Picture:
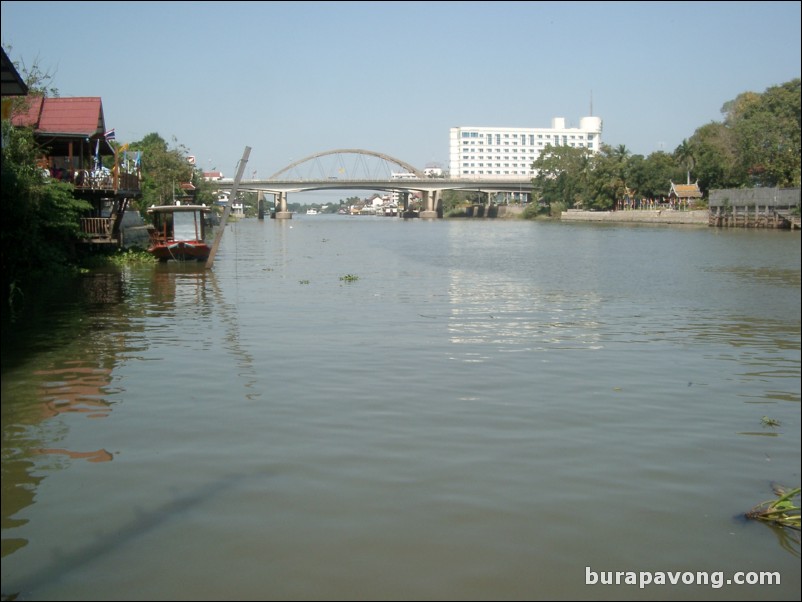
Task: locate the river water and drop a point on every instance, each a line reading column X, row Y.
column 374, row 408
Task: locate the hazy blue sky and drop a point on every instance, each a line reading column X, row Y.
column 290, row 79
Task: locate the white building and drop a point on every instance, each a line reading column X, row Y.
column 476, row 152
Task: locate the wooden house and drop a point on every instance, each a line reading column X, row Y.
column 76, row 147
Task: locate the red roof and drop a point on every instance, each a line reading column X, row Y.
column 77, row 116
column 30, row 117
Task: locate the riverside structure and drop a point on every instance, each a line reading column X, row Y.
column 493, row 152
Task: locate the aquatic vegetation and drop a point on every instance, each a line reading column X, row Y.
column 782, row 511
column 119, row 258
column 766, row 421
column 349, row 278
column 132, row 257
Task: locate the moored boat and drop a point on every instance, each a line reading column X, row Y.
column 179, row 232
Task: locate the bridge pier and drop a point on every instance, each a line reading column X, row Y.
column 281, row 206
column 260, row 204
column 429, row 209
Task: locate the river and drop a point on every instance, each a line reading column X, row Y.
column 375, row 408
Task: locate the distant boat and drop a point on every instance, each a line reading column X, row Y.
column 311, row 211
column 179, row 232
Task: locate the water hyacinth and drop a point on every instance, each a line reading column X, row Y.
column 783, row 511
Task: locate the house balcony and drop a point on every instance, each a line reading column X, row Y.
column 107, row 182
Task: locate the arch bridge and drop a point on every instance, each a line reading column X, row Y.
column 360, row 169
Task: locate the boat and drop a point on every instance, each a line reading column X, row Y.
column 311, row 212
column 179, row 232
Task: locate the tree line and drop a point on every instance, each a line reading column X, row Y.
column 757, row 144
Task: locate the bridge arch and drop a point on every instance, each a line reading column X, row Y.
column 353, row 151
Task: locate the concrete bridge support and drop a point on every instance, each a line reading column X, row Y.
column 260, row 204
column 430, row 200
column 281, row 206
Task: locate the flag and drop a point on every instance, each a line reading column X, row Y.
column 110, row 134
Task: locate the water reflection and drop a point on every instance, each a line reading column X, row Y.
column 51, row 376
column 75, row 387
column 788, row 538
column 273, row 435
column 63, row 369
column 514, row 317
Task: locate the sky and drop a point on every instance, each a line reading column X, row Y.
column 291, row 79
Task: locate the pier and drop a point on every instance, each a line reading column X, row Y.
column 755, row 208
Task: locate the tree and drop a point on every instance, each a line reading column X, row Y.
column 651, row 177
column 43, row 214
column 164, row 169
column 765, row 135
column 716, row 157
column 562, row 176
column 767, row 131
column 685, row 155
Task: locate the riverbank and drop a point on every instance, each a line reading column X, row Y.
column 657, row 216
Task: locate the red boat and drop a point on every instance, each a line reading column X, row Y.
column 179, row 232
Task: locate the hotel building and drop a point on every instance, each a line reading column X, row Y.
column 493, row 152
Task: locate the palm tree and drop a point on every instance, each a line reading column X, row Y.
column 621, row 152
column 684, row 155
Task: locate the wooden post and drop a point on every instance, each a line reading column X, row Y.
column 231, row 198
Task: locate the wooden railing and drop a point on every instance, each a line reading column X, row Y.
column 105, row 180
column 96, row 227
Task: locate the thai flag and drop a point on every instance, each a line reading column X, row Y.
column 110, row 134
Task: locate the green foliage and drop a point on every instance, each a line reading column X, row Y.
column 454, row 202
column 349, row 278
column 131, row 257
column 563, row 174
column 716, row 158
column 685, row 155
column 651, row 177
column 758, row 144
column 782, row 511
column 576, row 178
column 608, row 179
column 164, row 169
column 767, row 134
column 41, row 217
